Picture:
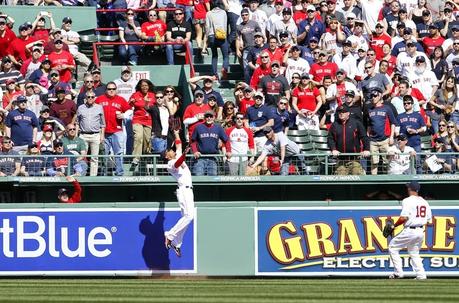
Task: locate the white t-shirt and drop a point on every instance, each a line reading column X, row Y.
column 417, row 210
column 73, row 48
column 399, row 163
column 125, row 88
column 181, row 174
column 273, row 147
column 424, row 82
column 239, row 141
column 299, row 66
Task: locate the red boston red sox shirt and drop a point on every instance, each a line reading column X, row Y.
column 111, row 106
column 58, row 59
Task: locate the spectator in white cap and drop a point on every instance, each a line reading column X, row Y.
column 285, row 24
column 259, row 116
column 72, row 39
column 126, row 83
column 423, row 79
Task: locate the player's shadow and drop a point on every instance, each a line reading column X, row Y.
column 154, row 252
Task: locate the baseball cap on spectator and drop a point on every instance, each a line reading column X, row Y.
column 402, row 137
column 258, row 95
column 244, row 11
column 305, row 76
column 379, row 23
column 287, row 10
column 59, row 89
column 341, row 71
column 47, row 128
column 447, row 9
column 284, row 34
column 295, row 48
column 9, row 81
column 209, row 113
column 62, row 191
column 279, row 2
column 44, row 108
column 456, row 61
column 67, row 20
column 376, row 90
column 455, row 27
column 58, row 142
column 32, row 145
column 58, row 40
column 408, row 30
column 56, row 30
column 331, row 1
column 248, row 89
column 197, row 92
column 402, row 10
column 96, row 70
column 314, row 38
column 363, row 47
column 351, row 15
column 414, row 186
column 21, row 99
column 2, row 19
column 342, row 109
column 6, row 59
column 310, row 8
column 23, row 27
column 125, row 69
column 267, row 129
column 420, row 59
column 350, row 92
column 347, row 42
column 36, row 48
column 53, row 72
column 434, row 26
column 257, row 34
column 211, row 96
column 426, row 13
column 323, row 52
column 275, row 62
column 401, row 25
column 358, row 21
column 440, row 140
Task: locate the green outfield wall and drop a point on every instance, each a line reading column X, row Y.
column 228, row 239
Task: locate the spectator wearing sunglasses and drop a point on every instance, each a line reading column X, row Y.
column 77, row 147
column 10, row 162
column 179, row 31
column 62, row 61
column 63, row 108
column 72, row 38
column 18, row 48
column 194, row 113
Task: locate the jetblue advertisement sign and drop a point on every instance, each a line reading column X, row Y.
column 92, row 241
column 347, row 241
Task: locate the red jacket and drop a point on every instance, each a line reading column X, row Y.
column 76, row 197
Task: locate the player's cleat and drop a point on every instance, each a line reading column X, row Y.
column 168, row 243
column 394, row 276
column 421, row 278
column 177, row 251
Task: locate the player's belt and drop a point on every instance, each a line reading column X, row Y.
column 190, row 187
column 414, row 227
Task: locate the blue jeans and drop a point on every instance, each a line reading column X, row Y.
column 455, row 117
column 232, row 20
column 224, row 46
column 81, row 167
column 115, row 142
column 205, row 167
column 188, row 11
column 129, row 55
column 158, row 145
column 170, row 51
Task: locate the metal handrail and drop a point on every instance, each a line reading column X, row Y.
column 188, row 57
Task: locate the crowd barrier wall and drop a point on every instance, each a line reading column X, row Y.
column 237, row 238
column 84, row 18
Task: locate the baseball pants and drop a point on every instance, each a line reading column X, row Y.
column 185, row 198
column 411, row 239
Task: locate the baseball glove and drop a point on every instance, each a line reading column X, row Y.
column 388, row 229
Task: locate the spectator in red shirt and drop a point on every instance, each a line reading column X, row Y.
column 19, row 48
column 63, row 108
column 194, row 113
column 323, row 68
column 63, row 194
column 62, row 61
column 378, row 39
column 306, row 100
column 262, row 70
column 6, row 37
column 55, row 34
column 33, row 63
column 153, row 30
column 141, row 100
column 247, row 100
column 39, row 31
column 433, row 40
column 273, row 51
column 116, row 108
column 201, row 7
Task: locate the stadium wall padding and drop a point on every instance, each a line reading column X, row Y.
column 225, row 237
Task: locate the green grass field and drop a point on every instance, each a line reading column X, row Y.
column 227, row 290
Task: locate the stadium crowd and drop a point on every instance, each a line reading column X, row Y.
column 375, row 75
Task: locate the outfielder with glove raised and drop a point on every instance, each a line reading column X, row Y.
column 415, row 214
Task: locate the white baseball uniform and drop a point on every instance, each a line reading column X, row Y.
column 418, row 212
column 185, row 198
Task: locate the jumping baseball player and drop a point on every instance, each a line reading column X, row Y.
column 415, row 214
column 177, row 167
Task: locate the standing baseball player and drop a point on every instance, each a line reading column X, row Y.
column 177, row 167
column 415, row 214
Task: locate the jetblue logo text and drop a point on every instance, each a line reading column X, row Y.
column 34, row 236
